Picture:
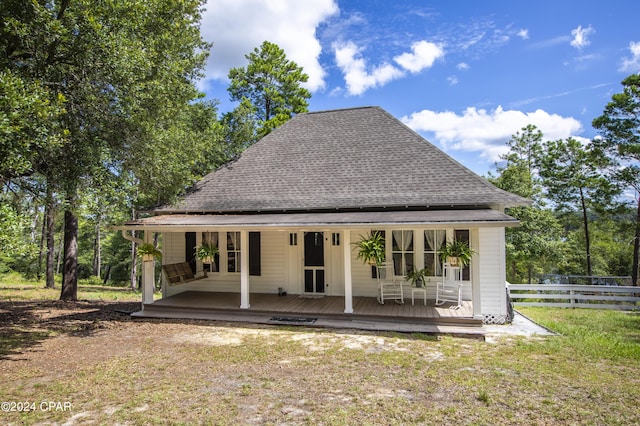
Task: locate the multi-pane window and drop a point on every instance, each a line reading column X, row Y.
column 335, row 239
column 233, row 251
column 434, row 239
column 293, row 239
column 402, row 252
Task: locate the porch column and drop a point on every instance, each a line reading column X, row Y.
column 348, row 291
column 148, row 274
column 244, row 270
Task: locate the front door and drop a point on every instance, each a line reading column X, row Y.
column 314, row 262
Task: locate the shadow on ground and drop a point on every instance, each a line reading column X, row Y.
column 27, row 324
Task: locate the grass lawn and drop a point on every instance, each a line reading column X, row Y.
column 112, row 369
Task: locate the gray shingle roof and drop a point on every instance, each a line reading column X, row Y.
column 360, row 158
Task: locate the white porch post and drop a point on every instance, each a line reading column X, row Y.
column 244, row 270
column 148, row 275
column 348, row 291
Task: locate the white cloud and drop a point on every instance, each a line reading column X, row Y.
column 453, row 80
column 354, row 68
column 423, row 55
column 463, row 66
column 523, row 34
column 581, row 36
column 359, row 77
column 236, row 27
column 631, row 64
column 479, row 130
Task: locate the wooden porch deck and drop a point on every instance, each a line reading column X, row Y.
column 327, row 311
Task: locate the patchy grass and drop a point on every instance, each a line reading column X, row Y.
column 14, row 287
column 115, row 370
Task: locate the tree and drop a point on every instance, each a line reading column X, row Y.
column 240, row 128
column 120, row 68
column 531, row 246
column 571, row 174
column 29, row 125
column 619, row 126
column 272, row 84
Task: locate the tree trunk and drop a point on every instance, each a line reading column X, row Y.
column 60, row 253
column 43, row 237
column 586, row 232
column 70, row 267
column 51, row 248
column 97, row 251
column 106, row 275
column 636, row 249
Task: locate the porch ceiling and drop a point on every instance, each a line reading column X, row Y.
column 341, row 220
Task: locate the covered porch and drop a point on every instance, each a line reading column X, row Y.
column 316, row 311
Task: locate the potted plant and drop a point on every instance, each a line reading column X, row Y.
column 148, row 252
column 371, row 248
column 206, row 252
column 416, row 277
column 456, row 253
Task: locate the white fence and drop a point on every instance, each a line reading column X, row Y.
column 575, row 296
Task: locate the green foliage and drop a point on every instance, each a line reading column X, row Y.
column 536, row 246
column 206, row 251
column 517, row 172
column 102, row 95
column 619, row 126
column 458, row 249
column 416, row 277
column 148, row 249
column 371, row 248
column 29, row 125
column 12, row 229
column 240, row 128
column 573, row 179
column 272, row 85
column 551, row 240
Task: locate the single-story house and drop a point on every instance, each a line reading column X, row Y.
column 286, row 213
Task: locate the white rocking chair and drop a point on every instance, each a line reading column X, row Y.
column 388, row 287
column 450, row 288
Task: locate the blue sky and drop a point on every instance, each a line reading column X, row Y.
column 464, row 74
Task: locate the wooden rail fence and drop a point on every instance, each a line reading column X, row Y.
column 576, row 296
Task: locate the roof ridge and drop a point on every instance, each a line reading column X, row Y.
column 323, row 111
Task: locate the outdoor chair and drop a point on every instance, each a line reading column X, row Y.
column 449, row 289
column 388, row 287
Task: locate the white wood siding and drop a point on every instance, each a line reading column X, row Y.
column 491, row 269
column 272, row 266
column 281, row 266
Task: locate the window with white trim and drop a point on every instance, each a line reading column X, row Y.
column 402, row 251
column 233, row 251
column 434, row 239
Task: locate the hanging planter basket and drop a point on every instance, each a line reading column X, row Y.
column 148, row 252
